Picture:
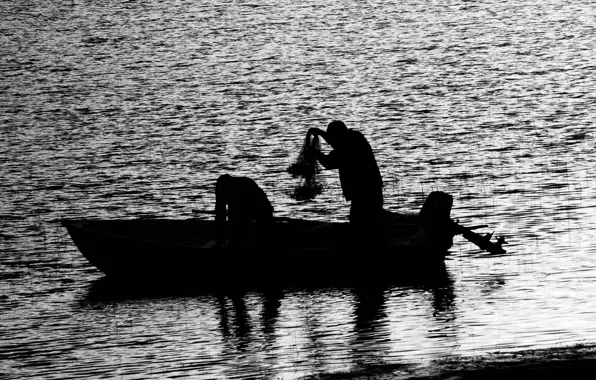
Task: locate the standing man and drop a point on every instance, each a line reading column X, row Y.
column 359, row 174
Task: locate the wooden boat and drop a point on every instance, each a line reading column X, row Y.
column 291, row 251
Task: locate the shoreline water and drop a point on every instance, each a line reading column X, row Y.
column 569, row 361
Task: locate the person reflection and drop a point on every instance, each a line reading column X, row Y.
column 369, row 308
column 370, row 325
column 234, row 324
column 271, row 303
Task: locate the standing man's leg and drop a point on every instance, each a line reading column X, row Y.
column 365, row 222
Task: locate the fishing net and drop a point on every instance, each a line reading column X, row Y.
column 307, row 168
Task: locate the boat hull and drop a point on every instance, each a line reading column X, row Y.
column 293, row 252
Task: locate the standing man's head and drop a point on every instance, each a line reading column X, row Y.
column 337, row 133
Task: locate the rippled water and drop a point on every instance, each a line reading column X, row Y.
column 126, row 109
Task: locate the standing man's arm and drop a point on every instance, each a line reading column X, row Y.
column 329, row 161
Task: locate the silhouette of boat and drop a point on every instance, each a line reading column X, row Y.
column 293, row 251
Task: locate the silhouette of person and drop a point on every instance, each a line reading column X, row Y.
column 245, row 201
column 359, row 174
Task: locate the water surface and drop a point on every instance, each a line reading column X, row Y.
column 133, row 109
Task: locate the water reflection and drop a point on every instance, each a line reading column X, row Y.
column 443, row 297
column 371, row 327
column 444, row 311
column 234, row 321
column 271, row 304
column 236, row 325
column 109, row 113
column 310, row 330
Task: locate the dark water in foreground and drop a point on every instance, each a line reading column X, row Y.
column 132, row 109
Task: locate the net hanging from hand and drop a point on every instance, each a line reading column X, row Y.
column 307, row 168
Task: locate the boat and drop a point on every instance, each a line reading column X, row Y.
column 291, row 251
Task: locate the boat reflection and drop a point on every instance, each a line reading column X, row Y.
column 309, row 329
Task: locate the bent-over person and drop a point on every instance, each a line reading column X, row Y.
column 240, row 201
